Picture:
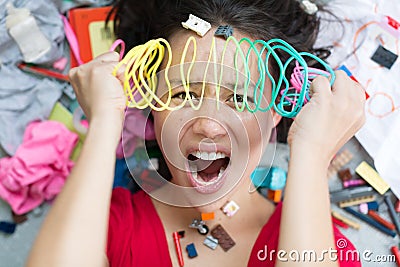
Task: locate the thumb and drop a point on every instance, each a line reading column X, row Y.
column 320, row 87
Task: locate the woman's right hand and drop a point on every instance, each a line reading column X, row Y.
column 331, row 117
column 99, row 93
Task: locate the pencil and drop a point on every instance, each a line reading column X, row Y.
column 370, row 221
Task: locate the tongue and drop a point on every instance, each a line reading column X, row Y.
column 207, row 177
column 212, row 166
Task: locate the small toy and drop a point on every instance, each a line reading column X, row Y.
column 373, row 205
column 339, row 161
column 7, row 227
column 200, row 225
column 309, row 7
column 224, row 239
column 230, row 208
column 196, row 24
column 191, row 250
column 363, row 208
column 347, row 221
column 224, row 31
column 211, row 242
column 372, row 177
column 356, row 201
column 273, row 178
column 345, row 174
column 352, row 183
column 349, row 193
column 384, row 57
column 177, row 236
column 207, row 216
column 274, row 195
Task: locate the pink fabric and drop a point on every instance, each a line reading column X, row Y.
column 136, row 126
column 39, row 167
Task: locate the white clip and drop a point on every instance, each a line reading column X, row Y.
column 309, row 7
column 201, row 27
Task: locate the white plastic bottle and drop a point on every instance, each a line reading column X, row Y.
column 24, row 30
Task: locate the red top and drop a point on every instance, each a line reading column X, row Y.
column 136, row 235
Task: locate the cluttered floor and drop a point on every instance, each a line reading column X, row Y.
column 367, row 48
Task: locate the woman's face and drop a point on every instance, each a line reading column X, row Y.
column 211, row 151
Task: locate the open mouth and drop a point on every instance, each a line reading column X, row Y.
column 207, row 170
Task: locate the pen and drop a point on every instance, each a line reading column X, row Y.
column 178, row 248
column 392, row 213
column 370, row 221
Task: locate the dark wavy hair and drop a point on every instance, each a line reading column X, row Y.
column 140, row 21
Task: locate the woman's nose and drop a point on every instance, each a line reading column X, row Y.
column 209, row 128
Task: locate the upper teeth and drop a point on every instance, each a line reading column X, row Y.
column 208, row 156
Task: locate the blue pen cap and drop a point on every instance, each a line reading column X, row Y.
column 273, row 178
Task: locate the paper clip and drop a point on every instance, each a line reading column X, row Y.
column 201, row 27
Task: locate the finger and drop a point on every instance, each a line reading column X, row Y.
column 72, row 72
column 121, row 73
column 111, row 56
column 320, row 87
column 347, row 90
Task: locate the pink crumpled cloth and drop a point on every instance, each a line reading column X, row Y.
column 136, row 125
column 38, row 169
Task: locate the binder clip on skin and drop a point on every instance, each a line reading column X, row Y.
column 196, row 24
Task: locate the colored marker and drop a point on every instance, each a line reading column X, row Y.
column 178, row 248
column 392, row 213
column 370, row 221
